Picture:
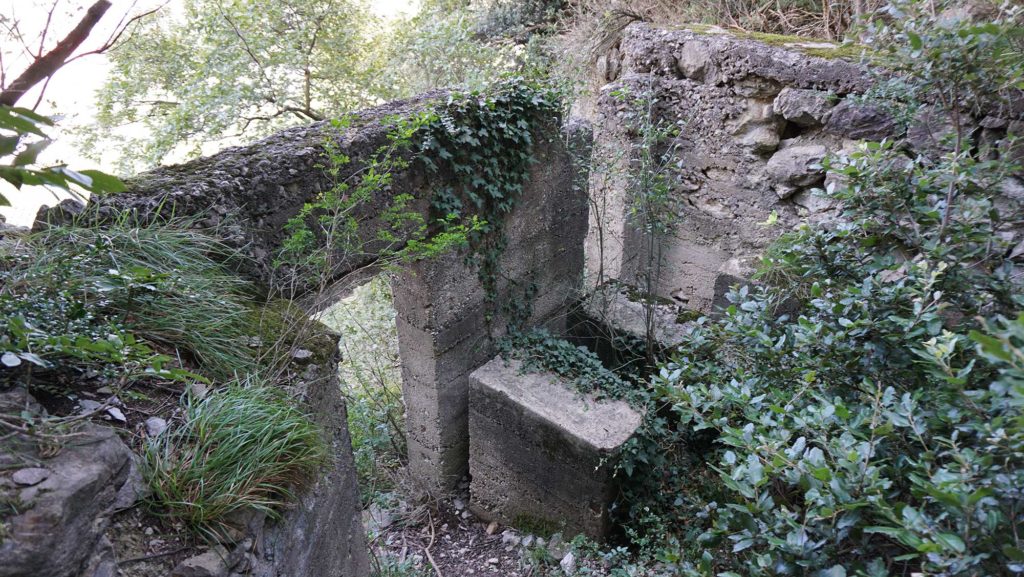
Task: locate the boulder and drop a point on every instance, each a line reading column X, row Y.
column 694, row 61
column 65, row 503
column 796, row 166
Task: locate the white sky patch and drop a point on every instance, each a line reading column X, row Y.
column 72, row 90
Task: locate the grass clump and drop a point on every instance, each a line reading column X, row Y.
column 246, row 446
column 164, row 282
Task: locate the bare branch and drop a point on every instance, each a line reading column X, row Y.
column 46, row 29
column 120, row 29
column 45, row 66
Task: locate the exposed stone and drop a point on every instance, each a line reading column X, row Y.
column 213, row 563
column 155, row 426
column 804, row 107
column 694, row 60
column 539, row 450
column 30, row 476
column 64, row 515
column 321, row 532
column 64, row 213
column 568, row 563
column 796, row 166
column 859, row 121
column 757, row 87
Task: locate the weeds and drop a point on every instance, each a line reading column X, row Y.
column 245, row 446
column 164, row 282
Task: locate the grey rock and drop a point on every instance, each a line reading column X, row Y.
column 133, row 489
column 568, row 563
column 694, row 60
column 59, row 529
column 213, row 563
column 88, row 405
column 30, row 476
column 757, row 87
column 64, row 213
column 860, row 121
column 155, row 426
column 797, row 166
column 803, row 107
column 321, row 533
column 116, row 414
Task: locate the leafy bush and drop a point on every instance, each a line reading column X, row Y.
column 856, row 414
column 245, row 446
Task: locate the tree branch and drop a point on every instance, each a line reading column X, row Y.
column 120, row 29
column 45, row 66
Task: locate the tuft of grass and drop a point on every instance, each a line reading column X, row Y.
column 246, row 446
column 165, row 282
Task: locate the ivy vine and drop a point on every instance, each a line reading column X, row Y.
column 481, row 144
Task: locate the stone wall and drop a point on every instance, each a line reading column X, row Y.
column 755, row 119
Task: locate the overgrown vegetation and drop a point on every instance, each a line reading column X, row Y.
column 128, row 307
column 872, row 425
column 244, row 447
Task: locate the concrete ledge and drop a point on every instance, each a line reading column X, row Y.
column 539, row 450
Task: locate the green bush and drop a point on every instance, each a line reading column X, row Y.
column 857, row 414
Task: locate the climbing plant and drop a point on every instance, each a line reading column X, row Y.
column 481, row 142
column 479, row 145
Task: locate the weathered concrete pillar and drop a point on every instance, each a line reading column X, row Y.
column 443, row 328
column 538, row 449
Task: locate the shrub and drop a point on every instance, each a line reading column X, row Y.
column 246, row 446
column 860, row 414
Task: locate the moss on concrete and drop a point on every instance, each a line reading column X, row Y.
column 806, row 45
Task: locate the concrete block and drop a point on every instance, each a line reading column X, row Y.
column 538, row 449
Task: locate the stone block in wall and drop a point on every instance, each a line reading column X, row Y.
column 860, row 121
column 795, row 167
column 538, row 449
column 803, row 107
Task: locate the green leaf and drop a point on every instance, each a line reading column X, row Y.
column 951, row 541
column 991, row 346
column 915, row 40
column 103, row 182
column 31, row 152
column 8, row 144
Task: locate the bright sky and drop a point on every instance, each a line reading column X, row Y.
column 72, row 89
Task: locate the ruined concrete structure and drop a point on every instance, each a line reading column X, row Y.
column 540, row 450
column 756, row 121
